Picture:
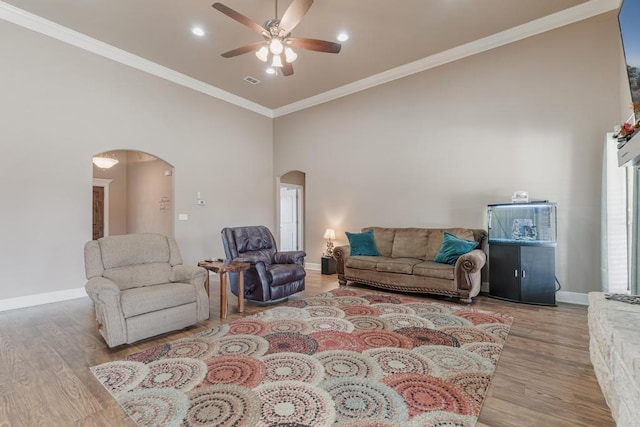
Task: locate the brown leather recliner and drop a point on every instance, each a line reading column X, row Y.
column 273, row 275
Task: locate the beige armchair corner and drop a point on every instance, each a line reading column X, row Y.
column 140, row 288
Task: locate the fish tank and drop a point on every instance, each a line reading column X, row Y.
column 532, row 223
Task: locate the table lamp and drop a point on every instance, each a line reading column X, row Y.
column 329, row 235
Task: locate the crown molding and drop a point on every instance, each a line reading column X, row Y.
column 568, row 16
column 36, row 23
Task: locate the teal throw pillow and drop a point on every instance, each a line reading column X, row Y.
column 452, row 247
column 362, row 243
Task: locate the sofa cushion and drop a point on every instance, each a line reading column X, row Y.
column 433, row 269
column 397, row 265
column 135, row 276
column 410, row 243
column 362, row 243
column 436, row 235
column 158, row 297
column 383, row 238
column 363, row 262
column 452, row 247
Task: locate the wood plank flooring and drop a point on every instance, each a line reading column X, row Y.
column 544, row 376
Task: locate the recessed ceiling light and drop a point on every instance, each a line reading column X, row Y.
column 343, row 37
column 270, row 70
column 198, row 31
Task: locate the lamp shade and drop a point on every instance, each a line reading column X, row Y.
column 329, row 234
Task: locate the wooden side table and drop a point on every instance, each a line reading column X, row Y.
column 222, row 269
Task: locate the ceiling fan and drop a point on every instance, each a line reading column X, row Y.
column 276, row 32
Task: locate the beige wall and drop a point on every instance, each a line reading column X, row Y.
column 435, row 148
column 431, row 149
column 149, row 197
column 60, row 105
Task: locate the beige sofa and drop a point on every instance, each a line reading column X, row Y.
column 406, row 263
column 140, row 288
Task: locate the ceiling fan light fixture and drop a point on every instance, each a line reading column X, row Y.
column 263, row 54
column 290, row 55
column 276, row 62
column 275, row 46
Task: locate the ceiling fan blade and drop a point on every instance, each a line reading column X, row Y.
column 314, row 44
column 293, row 15
column 244, row 49
column 239, row 17
column 287, row 68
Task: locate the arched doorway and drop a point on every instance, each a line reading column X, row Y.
column 291, row 217
column 132, row 193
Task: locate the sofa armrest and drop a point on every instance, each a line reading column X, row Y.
column 473, row 261
column 340, row 253
column 290, row 257
column 467, row 270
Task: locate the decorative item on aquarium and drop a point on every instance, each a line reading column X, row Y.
column 520, row 197
column 523, row 229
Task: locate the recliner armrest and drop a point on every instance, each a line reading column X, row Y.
column 251, row 259
column 188, row 274
column 290, row 257
column 101, row 286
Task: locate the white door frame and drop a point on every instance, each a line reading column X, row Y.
column 104, row 183
column 300, row 190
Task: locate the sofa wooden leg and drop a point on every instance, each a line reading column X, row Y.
column 467, row 300
column 342, row 282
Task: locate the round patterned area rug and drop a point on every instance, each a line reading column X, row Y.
column 350, row 357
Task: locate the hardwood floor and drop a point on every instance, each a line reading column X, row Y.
column 543, row 378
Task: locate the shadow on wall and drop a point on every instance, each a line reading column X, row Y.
column 132, row 195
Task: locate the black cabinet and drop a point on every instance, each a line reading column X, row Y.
column 328, row 265
column 522, row 273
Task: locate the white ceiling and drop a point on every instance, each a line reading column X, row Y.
column 394, row 38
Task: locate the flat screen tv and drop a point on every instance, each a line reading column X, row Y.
column 629, row 21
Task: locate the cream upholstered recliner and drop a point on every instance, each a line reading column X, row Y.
column 140, row 288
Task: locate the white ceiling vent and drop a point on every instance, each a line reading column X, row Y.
column 251, row 80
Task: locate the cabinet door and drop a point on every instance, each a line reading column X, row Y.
column 537, row 278
column 504, row 271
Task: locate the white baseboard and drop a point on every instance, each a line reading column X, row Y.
column 49, row 297
column 572, row 297
column 39, row 299
column 312, row 266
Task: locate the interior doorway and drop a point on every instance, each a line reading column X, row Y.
column 100, row 206
column 137, row 194
column 291, row 217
